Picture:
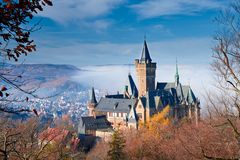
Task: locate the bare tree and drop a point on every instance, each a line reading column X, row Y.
column 218, row 135
column 28, row 140
column 15, row 40
column 227, row 54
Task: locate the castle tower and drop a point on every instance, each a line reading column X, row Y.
column 146, row 72
column 92, row 104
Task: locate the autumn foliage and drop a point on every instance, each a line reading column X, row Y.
column 160, row 119
column 14, row 32
column 213, row 137
column 16, row 28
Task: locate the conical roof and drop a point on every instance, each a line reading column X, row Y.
column 145, row 57
column 93, row 97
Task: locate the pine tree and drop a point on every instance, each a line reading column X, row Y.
column 116, row 146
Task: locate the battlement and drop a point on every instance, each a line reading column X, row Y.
column 138, row 63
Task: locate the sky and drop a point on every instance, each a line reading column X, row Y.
column 89, row 33
column 99, row 32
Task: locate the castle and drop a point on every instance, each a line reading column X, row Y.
column 139, row 102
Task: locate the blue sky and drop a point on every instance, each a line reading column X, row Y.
column 98, row 32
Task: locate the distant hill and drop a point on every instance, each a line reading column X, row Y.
column 45, row 71
column 55, row 81
column 53, row 77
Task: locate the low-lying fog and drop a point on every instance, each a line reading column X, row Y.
column 112, row 78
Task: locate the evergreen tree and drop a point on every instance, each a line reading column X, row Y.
column 116, row 146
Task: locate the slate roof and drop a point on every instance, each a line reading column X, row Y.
column 144, row 101
column 115, row 96
column 165, row 85
column 132, row 86
column 92, row 123
column 115, row 105
column 191, row 97
column 179, row 93
column 167, row 96
column 93, row 97
column 132, row 117
column 166, row 93
column 145, row 57
column 154, row 98
column 150, row 101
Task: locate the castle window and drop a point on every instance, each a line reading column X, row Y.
column 139, row 115
column 121, row 114
column 110, row 114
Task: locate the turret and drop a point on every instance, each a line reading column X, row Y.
column 145, row 56
column 146, row 72
column 92, row 103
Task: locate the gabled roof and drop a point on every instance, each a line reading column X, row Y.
column 179, row 93
column 143, row 101
column 132, row 117
column 150, row 101
column 145, row 57
column 115, row 105
column 95, row 123
column 185, row 91
column 166, row 96
column 157, row 98
column 191, row 97
column 158, row 102
column 165, row 85
column 93, row 97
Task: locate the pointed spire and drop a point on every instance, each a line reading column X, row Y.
column 176, row 75
column 132, row 86
column 93, row 97
column 145, row 57
column 134, row 93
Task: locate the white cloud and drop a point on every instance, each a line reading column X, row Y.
column 99, row 25
column 155, row 8
column 112, row 78
column 77, row 10
column 194, row 56
column 188, row 51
